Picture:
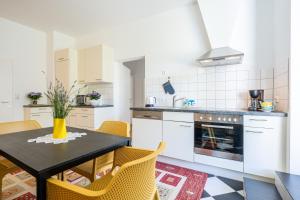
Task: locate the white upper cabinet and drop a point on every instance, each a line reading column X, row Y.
column 66, row 66
column 95, row 64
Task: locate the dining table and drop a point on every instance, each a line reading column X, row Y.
column 44, row 160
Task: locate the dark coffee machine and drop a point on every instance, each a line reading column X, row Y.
column 257, row 97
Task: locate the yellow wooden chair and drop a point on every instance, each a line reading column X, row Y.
column 9, row 127
column 133, row 180
column 89, row 169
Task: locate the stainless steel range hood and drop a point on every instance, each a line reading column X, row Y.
column 219, row 17
column 221, row 56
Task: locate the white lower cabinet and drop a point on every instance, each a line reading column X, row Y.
column 179, row 138
column 146, row 133
column 43, row 115
column 89, row 118
column 264, row 145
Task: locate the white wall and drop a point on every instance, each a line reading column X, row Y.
column 294, row 162
column 171, row 41
column 27, row 49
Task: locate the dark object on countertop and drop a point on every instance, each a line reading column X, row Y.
column 168, row 88
column 257, row 97
column 81, row 100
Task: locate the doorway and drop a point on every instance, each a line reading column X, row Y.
column 6, row 88
column 137, row 71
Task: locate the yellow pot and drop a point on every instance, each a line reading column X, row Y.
column 59, row 128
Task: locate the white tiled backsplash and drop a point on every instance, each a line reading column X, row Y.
column 105, row 89
column 223, row 87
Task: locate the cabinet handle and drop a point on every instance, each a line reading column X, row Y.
column 259, row 120
column 35, row 115
column 84, row 116
column 98, row 79
column 254, row 131
column 4, row 102
column 186, row 126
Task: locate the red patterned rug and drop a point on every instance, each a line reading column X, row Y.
column 173, row 182
column 178, row 183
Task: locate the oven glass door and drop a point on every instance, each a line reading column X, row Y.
column 219, row 140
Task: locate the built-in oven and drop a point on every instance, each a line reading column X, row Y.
column 219, row 136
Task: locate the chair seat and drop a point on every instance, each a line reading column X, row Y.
column 100, row 183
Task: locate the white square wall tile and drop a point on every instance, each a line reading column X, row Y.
column 242, row 75
column 211, row 95
column 231, row 104
column 267, row 84
column 266, row 73
column 243, row 85
column 220, row 86
column 202, row 94
column 211, row 77
column 211, row 104
column 231, row 85
column 201, row 86
column 220, row 95
column 220, row 76
column 211, row 86
column 232, row 94
column 231, row 76
column 254, row 84
column 220, row 104
column 254, row 74
column 202, row 78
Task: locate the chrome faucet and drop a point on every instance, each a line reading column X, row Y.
column 175, row 100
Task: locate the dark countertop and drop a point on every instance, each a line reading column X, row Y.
column 291, row 183
column 207, row 111
column 76, row 106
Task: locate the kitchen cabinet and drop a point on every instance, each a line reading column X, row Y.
column 178, row 133
column 66, row 66
column 43, row 115
column 264, row 145
column 89, row 118
column 146, row 129
column 95, row 64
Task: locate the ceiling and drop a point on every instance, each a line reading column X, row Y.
column 80, row 17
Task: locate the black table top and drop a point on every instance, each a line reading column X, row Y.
column 40, row 159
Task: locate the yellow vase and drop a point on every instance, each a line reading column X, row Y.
column 59, row 128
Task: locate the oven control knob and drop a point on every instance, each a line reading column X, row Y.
column 201, row 117
column 229, row 119
column 219, row 118
column 210, row 118
column 224, row 119
column 235, row 119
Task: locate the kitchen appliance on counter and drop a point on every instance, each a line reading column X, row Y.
column 81, row 100
column 150, row 101
column 219, row 136
column 256, row 98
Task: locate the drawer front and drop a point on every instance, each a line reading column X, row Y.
column 86, row 111
column 261, row 121
column 84, row 121
column 147, row 115
column 178, row 116
column 41, row 110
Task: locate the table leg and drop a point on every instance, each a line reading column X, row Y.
column 41, row 188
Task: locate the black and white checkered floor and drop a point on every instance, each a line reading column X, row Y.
column 220, row 188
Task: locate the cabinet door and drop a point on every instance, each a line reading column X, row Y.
column 263, row 151
column 82, row 66
column 44, row 119
column 179, row 138
column 146, row 133
column 84, row 121
column 62, row 72
column 72, row 120
column 62, row 55
column 94, row 64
